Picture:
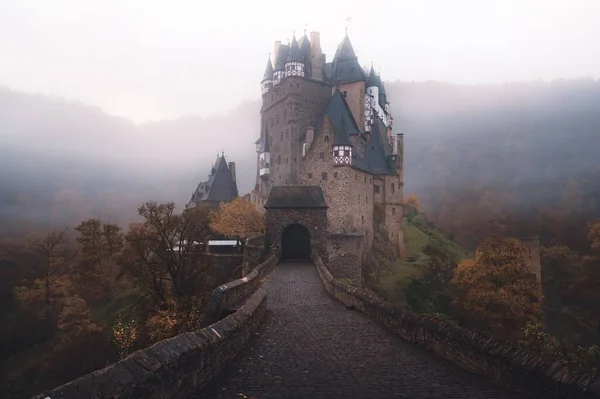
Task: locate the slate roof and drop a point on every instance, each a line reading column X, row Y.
column 294, row 53
column 341, row 135
column 378, row 153
column 337, row 110
column 281, row 57
column 344, row 66
column 296, row 197
column 304, row 44
column 268, row 71
column 264, row 142
column 220, row 185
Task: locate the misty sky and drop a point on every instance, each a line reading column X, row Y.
column 151, row 59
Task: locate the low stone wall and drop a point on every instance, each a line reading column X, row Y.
column 345, row 256
column 505, row 363
column 228, row 296
column 174, row 368
column 254, row 251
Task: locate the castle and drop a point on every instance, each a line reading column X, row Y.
column 329, row 124
column 221, row 185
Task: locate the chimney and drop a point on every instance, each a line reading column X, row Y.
column 315, row 39
column 276, row 51
column 232, row 171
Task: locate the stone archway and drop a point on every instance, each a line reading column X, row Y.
column 295, row 243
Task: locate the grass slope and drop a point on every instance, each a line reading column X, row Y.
column 418, row 233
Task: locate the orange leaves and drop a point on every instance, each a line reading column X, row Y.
column 414, row 202
column 497, row 287
column 237, row 218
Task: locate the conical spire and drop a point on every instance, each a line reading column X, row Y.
column 268, row 71
column 294, row 55
column 304, row 47
column 341, row 134
column 372, row 80
column 264, row 145
column 345, row 51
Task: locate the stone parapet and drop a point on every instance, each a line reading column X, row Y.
column 508, row 364
column 230, row 295
column 174, row 368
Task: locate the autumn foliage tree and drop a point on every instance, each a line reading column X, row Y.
column 496, row 289
column 237, row 218
column 412, row 205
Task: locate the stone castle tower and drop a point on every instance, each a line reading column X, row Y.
column 329, row 124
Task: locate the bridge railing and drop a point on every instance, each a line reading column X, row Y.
column 509, row 364
column 230, row 295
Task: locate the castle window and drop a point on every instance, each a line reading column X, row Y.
column 310, row 175
column 327, row 139
column 321, row 155
column 323, row 176
column 356, row 176
column 345, row 93
column 294, row 160
column 393, row 211
column 363, row 219
column 376, row 189
column 365, row 179
column 303, row 149
column 279, row 159
column 287, row 132
column 392, row 187
column 335, row 175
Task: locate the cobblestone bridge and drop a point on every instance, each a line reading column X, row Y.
column 311, row 346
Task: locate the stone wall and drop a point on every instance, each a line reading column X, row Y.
column 254, row 253
column 348, row 191
column 345, row 256
column 174, row 368
column 314, row 219
column 229, row 296
column 508, row 364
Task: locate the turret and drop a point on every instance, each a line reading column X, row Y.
column 372, row 86
column 294, row 66
column 267, row 80
column 264, row 157
column 342, row 147
column 281, row 56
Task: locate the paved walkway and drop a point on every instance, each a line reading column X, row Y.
column 311, row 346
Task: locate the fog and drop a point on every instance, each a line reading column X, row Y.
column 153, row 60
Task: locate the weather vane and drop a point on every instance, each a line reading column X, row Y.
column 348, row 20
column 305, row 26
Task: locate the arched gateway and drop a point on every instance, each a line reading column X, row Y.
column 296, row 221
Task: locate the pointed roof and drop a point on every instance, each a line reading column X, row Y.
column 268, row 71
column 337, row 110
column 264, row 143
column 281, row 57
column 304, row 44
column 377, row 157
column 373, row 79
column 345, row 66
column 341, row 134
column 294, row 54
column 220, row 185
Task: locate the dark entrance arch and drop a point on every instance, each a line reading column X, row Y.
column 295, row 243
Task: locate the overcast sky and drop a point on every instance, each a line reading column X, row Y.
column 150, row 59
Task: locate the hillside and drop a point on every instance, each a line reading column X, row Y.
column 479, row 157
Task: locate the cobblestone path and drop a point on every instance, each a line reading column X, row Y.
column 311, row 346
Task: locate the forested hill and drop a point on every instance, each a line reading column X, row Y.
column 481, row 158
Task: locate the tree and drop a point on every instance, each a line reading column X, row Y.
column 162, row 253
column 237, row 218
column 51, row 261
column 497, row 288
column 414, row 202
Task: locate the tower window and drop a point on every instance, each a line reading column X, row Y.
column 345, row 93
column 321, row 155
column 335, row 175
column 392, row 187
column 376, row 189
column 327, row 139
column 281, row 136
column 323, row 176
column 365, row 179
column 363, row 219
column 393, row 211
column 310, row 175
